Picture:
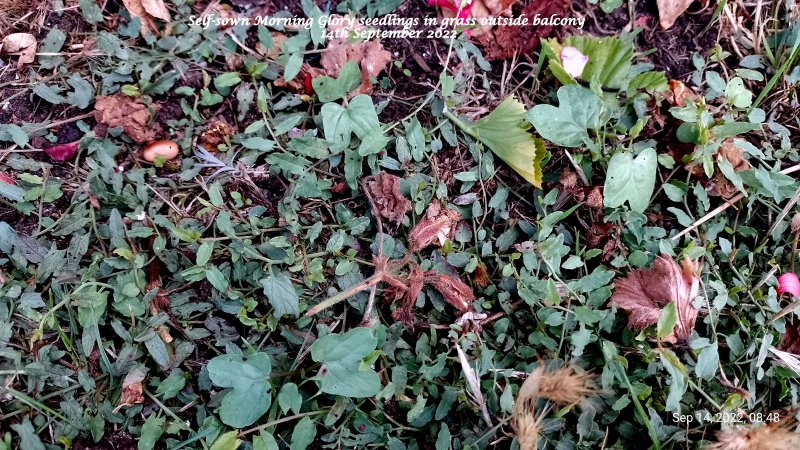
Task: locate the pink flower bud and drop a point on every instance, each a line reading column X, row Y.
column 573, row 61
column 789, row 282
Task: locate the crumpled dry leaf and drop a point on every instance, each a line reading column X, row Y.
column 147, row 11
column 218, row 132
column 407, row 297
column 504, row 41
column 678, row 92
column 670, row 10
column 644, row 292
column 131, row 114
column 439, row 224
column 454, row 291
column 720, row 186
column 500, row 7
column 384, row 189
column 131, row 389
column 22, row 43
column 370, row 55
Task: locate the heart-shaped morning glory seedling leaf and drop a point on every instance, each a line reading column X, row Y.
column 567, row 124
column 339, row 122
column 248, row 376
column 342, row 372
column 505, row 132
column 631, row 179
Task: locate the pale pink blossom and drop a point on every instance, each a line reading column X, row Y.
column 789, row 282
column 573, row 61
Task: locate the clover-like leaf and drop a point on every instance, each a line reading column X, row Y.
column 342, row 372
column 630, row 179
column 567, row 124
column 248, row 376
column 504, row 132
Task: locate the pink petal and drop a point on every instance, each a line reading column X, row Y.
column 444, row 4
column 789, row 282
column 573, row 61
column 7, row 179
column 62, row 152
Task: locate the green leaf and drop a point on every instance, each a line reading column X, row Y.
column 290, row 399
column 248, row 375
column 303, row 434
column 49, row 93
column 265, row 441
column 91, row 12
column 151, row 431
column 281, row 295
column 737, row 94
column 504, row 132
column 227, row 80
column 339, row 123
column 29, row 440
column 667, row 320
column 680, row 379
column 11, row 192
column 567, row 124
column 609, row 59
column 342, row 372
column 630, row 179
column 228, row 441
column 258, row 143
column 52, row 44
column 728, row 171
column 11, row 132
column 82, row 93
column 329, row 89
column 707, row 362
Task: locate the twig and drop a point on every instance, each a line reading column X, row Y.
column 371, row 302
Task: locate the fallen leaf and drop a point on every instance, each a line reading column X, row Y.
column 7, row 179
column 500, row 7
column 121, row 111
column 370, row 55
column 131, row 390
column 720, row 185
column 278, row 38
column 22, row 43
column 481, row 275
column 438, row 225
column 454, row 291
column 678, row 93
column 147, row 11
column 62, row 152
column 505, row 41
column 407, row 298
column 301, row 83
column 384, row 189
column 218, row 132
column 644, row 292
column 670, row 10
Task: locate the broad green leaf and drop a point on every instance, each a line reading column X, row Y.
column 667, row 320
column 707, row 362
column 248, row 375
column 339, row 123
column 52, row 44
column 609, row 59
column 680, row 379
column 342, row 372
column 228, row 441
column 281, row 295
column 303, row 434
column 630, row 179
column 579, row 110
column 29, row 440
column 151, row 431
column 737, row 94
column 14, row 133
column 330, row 89
column 505, row 133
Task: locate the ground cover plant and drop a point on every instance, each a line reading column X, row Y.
column 274, row 224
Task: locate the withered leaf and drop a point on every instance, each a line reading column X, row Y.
column 408, row 297
column 454, row 291
column 384, row 189
column 644, row 292
column 131, row 114
column 720, row 185
column 370, row 55
column 147, row 11
column 670, row 10
column 131, row 389
column 678, row 92
column 438, row 225
column 22, row 43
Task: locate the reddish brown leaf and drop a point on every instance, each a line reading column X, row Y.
column 438, row 224
column 370, row 55
column 218, row 132
column 384, row 189
column 121, row 111
column 7, row 179
column 504, row 41
column 481, row 275
column 62, row 152
column 677, row 94
column 131, row 390
column 454, row 291
column 644, row 292
column 408, row 297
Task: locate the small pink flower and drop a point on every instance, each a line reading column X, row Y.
column 573, row 61
column 789, row 282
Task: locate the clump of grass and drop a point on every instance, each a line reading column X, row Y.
column 12, row 8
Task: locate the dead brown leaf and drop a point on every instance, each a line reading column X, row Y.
column 720, row 186
column 644, row 292
column 678, row 92
column 454, row 291
column 438, row 224
column 125, row 112
column 147, row 11
column 370, row 55
column 219, row 131
column 302, row 82
column 131, row 390
column 385, row 192
column 408, row 297
column 500, row 7
column 481, row 275
column 504, row 41
column 670, row 10
column 22, row 43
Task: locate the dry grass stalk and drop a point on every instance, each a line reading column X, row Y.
column 773, row 436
